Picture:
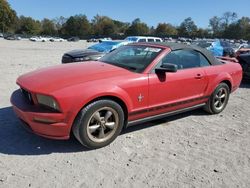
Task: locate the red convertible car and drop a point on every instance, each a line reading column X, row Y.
column 133, row 84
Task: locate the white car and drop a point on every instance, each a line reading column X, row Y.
column 143, row 39
column 57, row 39
column 39, row 39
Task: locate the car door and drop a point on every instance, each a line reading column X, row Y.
column 186, row 87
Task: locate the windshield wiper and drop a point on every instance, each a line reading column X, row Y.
column 126, row 67
column 120, row 65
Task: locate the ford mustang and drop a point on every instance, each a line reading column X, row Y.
column 136, row 83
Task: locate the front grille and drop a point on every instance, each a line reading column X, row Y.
column 27, row 95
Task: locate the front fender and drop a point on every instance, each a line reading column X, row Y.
column 72, row 99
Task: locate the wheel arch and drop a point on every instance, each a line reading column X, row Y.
column 229, row 84
column 221, row 78
column 113, row 98
column 105, row 97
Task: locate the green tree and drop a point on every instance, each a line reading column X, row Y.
column 244, row 28
column 59, row 21
column 137, row 28
column 103, row 26
column 77, row 25
column 8, row 16
column 121, row 27
column 238, row 30
column 28, row 26
column 202, row 33
column 221, row 25
column 48, row 27
column 228, row 18
column 164, row 29
column 215, row 25
column 187, row 28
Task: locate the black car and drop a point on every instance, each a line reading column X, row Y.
column 244, row 60
column 243, row 56
column 73, row 39
column 93, row 52
column 12, row 37
column 81, row 55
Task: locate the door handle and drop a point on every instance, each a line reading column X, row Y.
column 198, row 76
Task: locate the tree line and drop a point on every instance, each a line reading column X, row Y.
column 226, row 26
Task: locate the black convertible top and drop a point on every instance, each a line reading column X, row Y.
column 179, row 46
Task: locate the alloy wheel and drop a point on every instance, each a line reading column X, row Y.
column 220, row 99
column 102, row 124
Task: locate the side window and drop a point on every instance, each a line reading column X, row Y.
column 142, row 40
column 204, row 61
column 185, row 59
column 157, row 40
column 150, row 40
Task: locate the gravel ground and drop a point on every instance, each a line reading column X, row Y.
column 188, row 150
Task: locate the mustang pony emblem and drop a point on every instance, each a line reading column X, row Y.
column 140, row 97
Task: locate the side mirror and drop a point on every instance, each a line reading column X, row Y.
column 166, row 67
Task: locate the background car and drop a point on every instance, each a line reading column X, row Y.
column 12, row 37
column 39, row 39
column 57, row 39
column 73, row 39
column 203, row 43
column 133, row 84
column 92, row 40
column 244, row 48
column 143, row 39
column 243, row 56
column 221, row 48
column 93, row 52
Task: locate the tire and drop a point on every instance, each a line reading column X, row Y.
column 98, row 124
column 218, row 100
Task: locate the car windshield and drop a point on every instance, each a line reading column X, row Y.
column 105, row 47
column 133, row 58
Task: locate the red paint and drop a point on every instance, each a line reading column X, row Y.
column 75, row 85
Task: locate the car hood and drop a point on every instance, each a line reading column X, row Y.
column 82, row 53
column 48, row 80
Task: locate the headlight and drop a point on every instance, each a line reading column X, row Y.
column 81, row 59
column 47, row 101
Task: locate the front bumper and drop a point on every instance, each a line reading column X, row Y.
column 42, row 122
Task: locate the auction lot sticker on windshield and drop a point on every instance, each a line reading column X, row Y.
column 152, row 49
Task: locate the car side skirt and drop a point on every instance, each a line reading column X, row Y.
column 159, row 116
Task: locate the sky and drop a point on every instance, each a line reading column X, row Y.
column 151, row 12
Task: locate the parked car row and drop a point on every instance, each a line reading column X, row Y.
column 99, row 39
column 218, row 48
column 45, row 39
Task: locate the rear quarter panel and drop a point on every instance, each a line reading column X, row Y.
column 228, row 71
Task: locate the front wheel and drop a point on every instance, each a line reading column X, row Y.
column 99, row 123
column 218, row 100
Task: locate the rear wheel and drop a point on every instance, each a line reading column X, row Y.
column 99, row 123
column 218, row 100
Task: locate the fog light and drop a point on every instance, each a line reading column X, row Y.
column 44, row 120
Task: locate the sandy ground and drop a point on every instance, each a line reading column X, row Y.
column 188, row 150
